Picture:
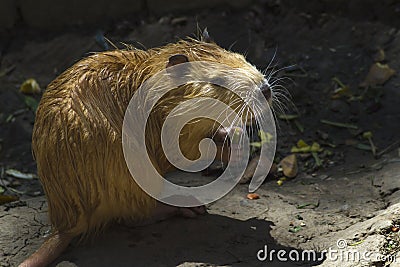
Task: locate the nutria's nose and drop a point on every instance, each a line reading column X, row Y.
column 266, row 90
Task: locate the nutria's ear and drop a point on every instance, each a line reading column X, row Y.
column 205, row 37
column 177, row 59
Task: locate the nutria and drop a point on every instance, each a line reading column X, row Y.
column 77, row 138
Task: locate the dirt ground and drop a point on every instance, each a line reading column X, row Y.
column 352, row 196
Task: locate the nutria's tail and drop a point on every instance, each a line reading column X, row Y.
column 49, row 251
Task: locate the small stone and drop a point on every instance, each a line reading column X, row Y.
column 4, row 182
column 289, row 166
column 36, row 193
column 369, row 216
column 323, row 176
column 322, row 135
column 339, row 106
column 66, row 264
column 345, row 207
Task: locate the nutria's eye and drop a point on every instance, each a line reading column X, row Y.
column 266, row 90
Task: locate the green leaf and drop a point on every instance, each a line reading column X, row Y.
column 295, row 229
column 31, row 103
column 317, row 159
column 363, row 147
column 265, row 137
column 315, row 205
column 367, row 135
column 299, row 126
column 255, row 144
column 340, row 125
column 288, row 116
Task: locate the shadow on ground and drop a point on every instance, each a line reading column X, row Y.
column 209, row 239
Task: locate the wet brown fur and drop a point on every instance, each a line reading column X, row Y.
column 77, row 134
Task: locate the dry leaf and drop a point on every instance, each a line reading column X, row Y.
column 6, row 199
column 378, row 74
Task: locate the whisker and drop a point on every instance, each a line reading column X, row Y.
column 273, row 72
column 270, row 62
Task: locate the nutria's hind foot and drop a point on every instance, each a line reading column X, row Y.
column 52, row 247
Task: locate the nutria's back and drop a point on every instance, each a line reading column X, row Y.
column 77, row 144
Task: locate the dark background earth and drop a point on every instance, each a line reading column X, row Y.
column 308, row 43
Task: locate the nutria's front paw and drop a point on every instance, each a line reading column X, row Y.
column 251, row 168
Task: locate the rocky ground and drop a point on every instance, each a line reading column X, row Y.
column 351, row 198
